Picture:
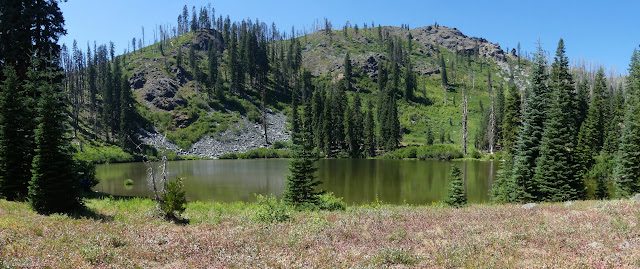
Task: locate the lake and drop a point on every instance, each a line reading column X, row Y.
column 358, row 181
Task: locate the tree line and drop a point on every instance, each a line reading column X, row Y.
column 565, row 132
column 36, row 161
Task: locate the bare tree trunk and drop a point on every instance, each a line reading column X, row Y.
column 464, row 119
column 264, row 113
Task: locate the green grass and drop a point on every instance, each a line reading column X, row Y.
column 259, row 153
column 103, row 153
column 437, row 151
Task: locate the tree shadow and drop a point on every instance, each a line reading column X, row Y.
column 87, row 213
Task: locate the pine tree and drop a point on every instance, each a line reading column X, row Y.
column 300, row 189
column 443, row 75
column 456, row 195
column 556, row 168
column 213, row 67
column 410, row 81
column 348, row 72
column 53, row 186
column 591, row 136
column 369, row 131
column 430, row 138
column 317, row 110
column 128, row 137
column 512, row 121
column 520, row 184
column 353, row 127
column 15, row 137
column 627, row 162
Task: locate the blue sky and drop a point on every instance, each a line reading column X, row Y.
column 602, row 32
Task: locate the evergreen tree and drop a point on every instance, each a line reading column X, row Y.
column 328, row 125
column 512, row 121
column 353, row 127
column 300, row 189
column 317, row 110
column 53, row 186
column 520, row 184
column 410, row 81
column 429, row 141
column 369, row 131
column 591, row 136
column 583, row 101
column 627, row 162
column 556, row 168
column 456, row 195
column 179, row 58
column 348, row 73
column 15, row 137
column 128, row 137
column 499, row 107
column 443, row 75
column 213, row 67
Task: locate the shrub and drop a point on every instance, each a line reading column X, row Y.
column 85, row 172
column 128, row 182
column 396, row 256
column 280, row 145
column 254, row 116
column 476, row 155
column 271, row 210
column 228, row 156
column 174, row 198
column 440, row 152
column 330, row 202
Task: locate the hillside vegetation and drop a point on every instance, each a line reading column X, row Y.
column 186, row 87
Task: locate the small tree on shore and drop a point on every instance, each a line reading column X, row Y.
column 456, row 195
column 300, row 190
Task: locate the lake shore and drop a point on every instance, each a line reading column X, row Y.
column 125, row 233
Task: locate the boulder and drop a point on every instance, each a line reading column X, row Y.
column 529, row 206
column 636, row 197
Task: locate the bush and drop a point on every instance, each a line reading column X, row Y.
column 440, row 152
column 85, row 172
column 103, row 154
column 476, row 155
column 330, row 202
column 271, row 210
column 229, row 156
column 128, row 182
column 280, row 145
column 174, row 198
column 254, row 116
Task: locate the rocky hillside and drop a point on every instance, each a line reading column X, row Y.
column 188, row 118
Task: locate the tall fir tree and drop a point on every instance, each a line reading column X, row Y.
column 512, row 118
column 128, row 137
column 520, row 184
column 16, row 146
column 369, row 131
column 592, row 131
column 627, row 162
column 53, row 187
column 557, row 166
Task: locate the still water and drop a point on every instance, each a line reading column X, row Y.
column 358, row 181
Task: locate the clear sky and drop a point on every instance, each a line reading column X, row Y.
column 603, row 32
